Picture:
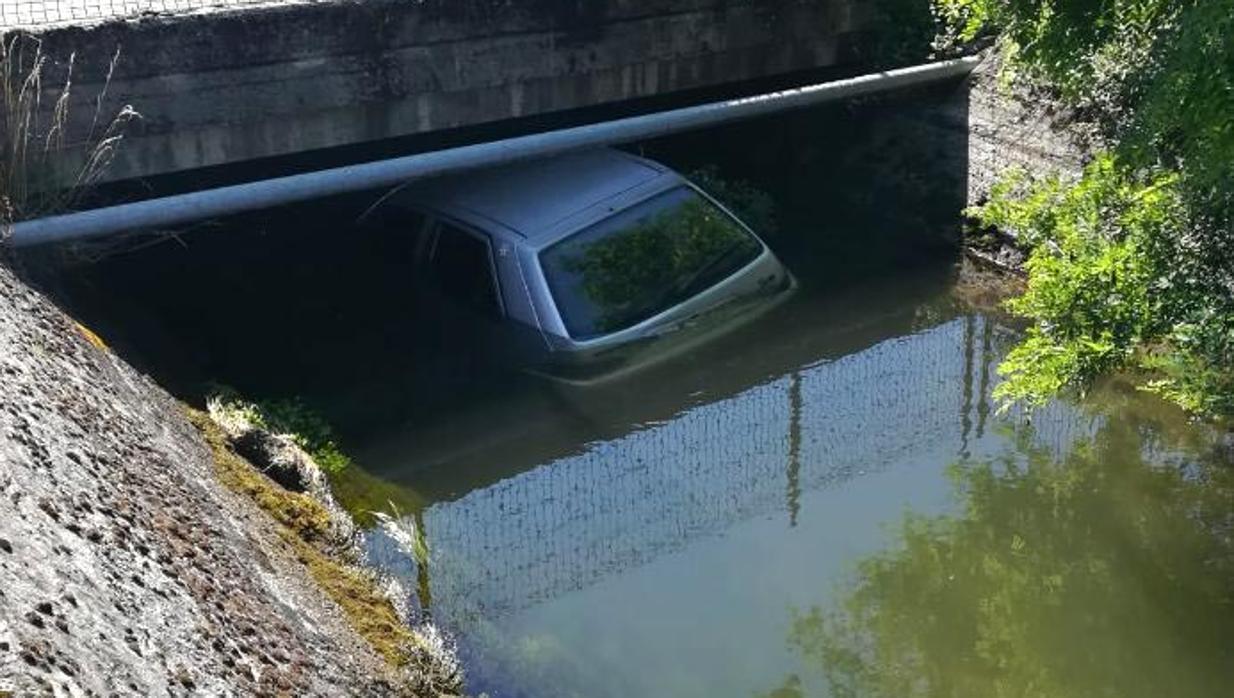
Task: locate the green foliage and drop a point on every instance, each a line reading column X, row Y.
column 363, row 495
column 1190, row 370
column 1081, row 47
column 291, row 417
column 962, row 21
column 1090, row 575
column 1097, row 257
column 1183, row 114
column 308, row 429
column 1133, row 265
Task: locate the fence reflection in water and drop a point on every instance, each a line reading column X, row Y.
column 570, row 523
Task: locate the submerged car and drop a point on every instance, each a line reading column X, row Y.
column 582, row 265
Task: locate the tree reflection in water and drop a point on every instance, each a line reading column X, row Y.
column 1096, row 574
column 657, row 261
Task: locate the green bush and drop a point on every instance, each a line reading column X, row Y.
column 1131, row 266
column 1095, row 263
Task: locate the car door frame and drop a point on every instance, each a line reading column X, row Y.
column 433, row 230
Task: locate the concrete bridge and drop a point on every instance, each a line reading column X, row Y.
column 220, row 82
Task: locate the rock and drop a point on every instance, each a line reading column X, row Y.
column 280, row 458
column 285, row 462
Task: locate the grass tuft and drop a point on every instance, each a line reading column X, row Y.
column 33, row 135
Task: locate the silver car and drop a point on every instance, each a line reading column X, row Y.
column 581, row 266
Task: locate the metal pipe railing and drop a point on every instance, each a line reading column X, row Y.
column 200, row 205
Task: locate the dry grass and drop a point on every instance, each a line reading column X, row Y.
column 34, row 133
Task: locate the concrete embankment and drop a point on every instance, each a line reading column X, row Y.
column 126, row 566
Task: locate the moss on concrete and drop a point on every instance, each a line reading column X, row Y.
column 307, row 517
column 304, row 524
column 367, row 609
column 362, row 493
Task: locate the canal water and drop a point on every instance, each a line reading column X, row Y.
column 824, row 502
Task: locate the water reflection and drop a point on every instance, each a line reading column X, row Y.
column 1108, row 571
column 665, row 538
column 619, row 503
column 644, row 260
column 520, row 425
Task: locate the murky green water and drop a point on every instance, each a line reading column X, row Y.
column 825, row 504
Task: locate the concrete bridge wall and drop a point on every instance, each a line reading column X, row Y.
column 225, row 87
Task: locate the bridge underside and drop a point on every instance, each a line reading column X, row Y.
column 227, row 87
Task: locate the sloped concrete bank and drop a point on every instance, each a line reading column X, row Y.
column 126, row 566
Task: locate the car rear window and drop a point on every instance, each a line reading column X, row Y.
column 644, row 260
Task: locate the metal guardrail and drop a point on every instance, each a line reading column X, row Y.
column 42, row 14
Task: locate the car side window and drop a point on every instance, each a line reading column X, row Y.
column 462, row 268
column 390, row 242
column 395, row 233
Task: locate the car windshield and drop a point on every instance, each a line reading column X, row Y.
column 643, row 261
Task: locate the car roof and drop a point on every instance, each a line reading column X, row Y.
column 529, row 198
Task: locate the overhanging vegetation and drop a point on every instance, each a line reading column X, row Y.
column 1132, row 266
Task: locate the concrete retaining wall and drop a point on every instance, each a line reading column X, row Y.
column 226, row 87
column 942, row 151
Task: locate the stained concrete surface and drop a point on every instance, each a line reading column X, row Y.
column 125, row 567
